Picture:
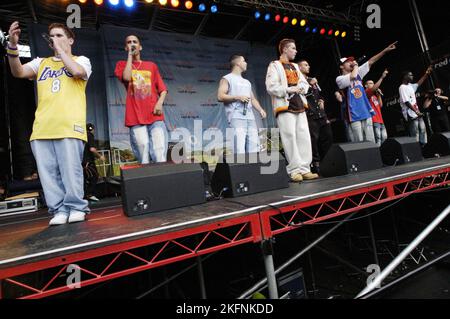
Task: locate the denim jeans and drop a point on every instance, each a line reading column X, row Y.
column 380, row 133
column 348, row 132
column 61, row 173
column 363, row 131
column 418, row 130
column 150, row 142
column 245, row 136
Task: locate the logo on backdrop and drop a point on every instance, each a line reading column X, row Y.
column 169, row 101
column 187, row 89
column 183, row 41
column 204, row 56
column 223, row 67
column 210, row 103
column 162, row 52
column 184, row 65
column 221, row 45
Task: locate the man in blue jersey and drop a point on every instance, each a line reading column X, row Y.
column 359, row 112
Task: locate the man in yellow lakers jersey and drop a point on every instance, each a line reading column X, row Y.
column 59, row 129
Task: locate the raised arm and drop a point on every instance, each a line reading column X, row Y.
column 17, row 69
column 72, row 66
column 377, row 57
column 425, row 76
column 378, row 84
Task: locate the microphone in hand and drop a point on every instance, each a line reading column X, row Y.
column 47, row 39
column 133, row 50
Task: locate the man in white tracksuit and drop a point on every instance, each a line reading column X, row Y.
column 287, row 86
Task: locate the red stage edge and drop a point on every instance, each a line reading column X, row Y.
column 227, row 234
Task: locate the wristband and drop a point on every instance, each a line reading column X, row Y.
column 12, row 52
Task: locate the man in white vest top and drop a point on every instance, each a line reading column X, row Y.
column 287, row 86
column 237, row 95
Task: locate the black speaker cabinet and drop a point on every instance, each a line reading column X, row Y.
column 438, row 145
column 163, row 186
column 351, row 158
column 401, row 150
column 240, row 175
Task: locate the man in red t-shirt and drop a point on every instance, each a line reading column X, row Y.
column 146, row 92
column 374, row 95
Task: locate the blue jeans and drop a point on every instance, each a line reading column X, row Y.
column 61, row 174
column 418, row 130
column 363, row 131
column 150, row 142
column 245, row 136
column 380, row 133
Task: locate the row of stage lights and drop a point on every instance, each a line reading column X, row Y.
column 203, row 7
column 189, row 5
column 302, row 23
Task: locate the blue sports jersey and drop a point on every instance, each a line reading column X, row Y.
column 359, row 107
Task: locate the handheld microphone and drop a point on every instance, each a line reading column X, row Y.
column 3, row 37
column 133, row 49
column 361, row 59
column 244, row 112
column 47, row 39
column 380, row 92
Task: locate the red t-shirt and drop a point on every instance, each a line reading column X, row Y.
column 142, row 92
column 376, row 105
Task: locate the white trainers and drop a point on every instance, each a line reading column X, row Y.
column 93, row 198
column 59, row 219
column 76, row 216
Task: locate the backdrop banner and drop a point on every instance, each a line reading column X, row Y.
column 191, row 67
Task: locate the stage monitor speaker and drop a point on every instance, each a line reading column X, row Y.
column 241, row 175
column 401, row 150
column 163, row 186
column 351, row 158
column 438, row 145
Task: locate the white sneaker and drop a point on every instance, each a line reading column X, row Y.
column 93, row 198
column 59, row 219
column 77, row 216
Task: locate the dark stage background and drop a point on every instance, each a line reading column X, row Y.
column 397, row 25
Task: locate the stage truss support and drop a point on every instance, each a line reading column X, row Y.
column 267, row 251
column 201, row 277
column 301, row 10
column 47, row 276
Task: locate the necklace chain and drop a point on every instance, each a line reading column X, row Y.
column 137, row 68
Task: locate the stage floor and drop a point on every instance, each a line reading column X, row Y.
column 29, row 240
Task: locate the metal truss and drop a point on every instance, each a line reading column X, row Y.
column 280, row 220
column 51, row 277
column 303, row 10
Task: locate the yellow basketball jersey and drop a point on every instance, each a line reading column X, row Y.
column 61, row 110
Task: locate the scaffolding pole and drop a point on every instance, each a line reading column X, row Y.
column 405, row 253
column 263, row 281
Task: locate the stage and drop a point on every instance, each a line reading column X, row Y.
column 34, row 257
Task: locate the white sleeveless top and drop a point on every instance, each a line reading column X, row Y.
column 238, row 86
